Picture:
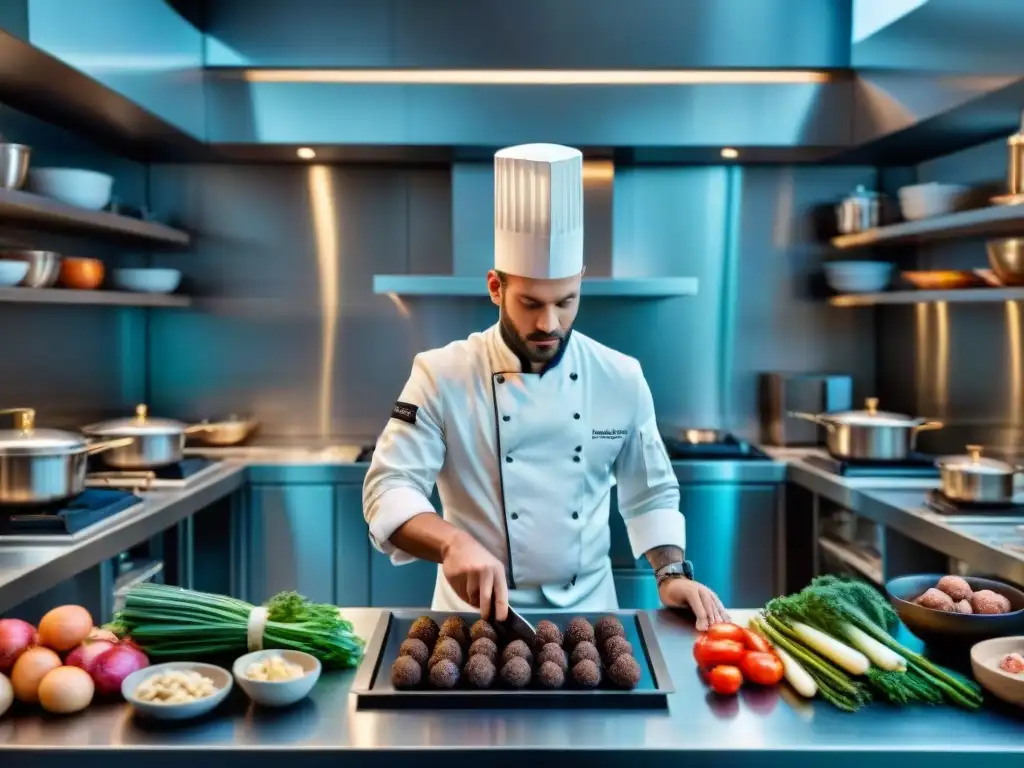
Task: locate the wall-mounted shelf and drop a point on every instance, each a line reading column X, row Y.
column 994, row 221
column 100, row 298
column 961, row 295
column 448, row 285
column 24, row 208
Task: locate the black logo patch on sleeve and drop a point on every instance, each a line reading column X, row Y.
column 405, row 412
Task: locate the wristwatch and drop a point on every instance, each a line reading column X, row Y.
column 683, row 570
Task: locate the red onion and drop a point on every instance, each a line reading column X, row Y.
column 112, row 666
column 85, row 654
column 16, row 636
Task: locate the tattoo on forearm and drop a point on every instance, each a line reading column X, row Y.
column 659, row 557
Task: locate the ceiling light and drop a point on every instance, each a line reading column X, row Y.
column 306, row 153
column 373, row 76
column 729, row 153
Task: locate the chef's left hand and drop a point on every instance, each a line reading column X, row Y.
column 685, row 593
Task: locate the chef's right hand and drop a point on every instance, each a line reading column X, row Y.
column 476, row 575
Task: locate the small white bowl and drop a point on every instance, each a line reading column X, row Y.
column 857, row 276
column 221, row 681
column 12, row 272
column 985, row 658
column 281, row 693
column 75, row 186
column 922, row 201
column 149, row 280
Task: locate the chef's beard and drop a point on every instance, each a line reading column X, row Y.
column 519, row 343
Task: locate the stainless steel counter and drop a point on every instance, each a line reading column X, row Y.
column 698, row 726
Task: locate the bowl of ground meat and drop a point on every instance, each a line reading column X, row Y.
column 950, row 610
column 998, row 664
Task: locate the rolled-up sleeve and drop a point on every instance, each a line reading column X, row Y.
column 647, row 486
column 408, row 456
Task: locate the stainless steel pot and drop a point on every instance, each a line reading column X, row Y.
column 151, row 442
column 39, row 466
column 224, row 432
column 1006, row 257
column 860, row 211
column 973, row 478
column 43, row 267
column 13, row 165
column 870, row 434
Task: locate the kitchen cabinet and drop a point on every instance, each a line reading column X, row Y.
column 351, row 548
column 291, row 541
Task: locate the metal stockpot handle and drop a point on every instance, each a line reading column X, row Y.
column 99, row 446
column 812, row 417
column 928, row 425
column 199, row 428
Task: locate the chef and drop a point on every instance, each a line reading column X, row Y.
column 525, row 427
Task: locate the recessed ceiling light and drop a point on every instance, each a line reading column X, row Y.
column 730, row 154
column 305, row 153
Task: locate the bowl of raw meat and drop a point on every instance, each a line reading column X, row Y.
column 948, row 610
column 998, row 664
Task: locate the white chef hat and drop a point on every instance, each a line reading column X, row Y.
column 538, row 211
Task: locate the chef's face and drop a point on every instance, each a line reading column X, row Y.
column 538, row 313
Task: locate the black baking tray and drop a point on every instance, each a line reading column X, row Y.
column 373, row 687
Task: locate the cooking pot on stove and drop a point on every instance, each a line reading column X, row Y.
column 39, row 466
column 149, row 443
column 871, row 433
column 973, row 478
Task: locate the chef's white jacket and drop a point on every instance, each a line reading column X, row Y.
column 525, row 463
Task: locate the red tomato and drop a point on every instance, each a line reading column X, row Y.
column 726, row 631
column 725, row 679
column 714, row 652
column 762, row 668
column 755, row 642
column 697, row 646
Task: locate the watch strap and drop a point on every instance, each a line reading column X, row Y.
column 682, row 570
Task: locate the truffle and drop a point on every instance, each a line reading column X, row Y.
column 485, row 647
column 483, row 629
column 517, row 648
column 955, row 587
column 516, row 672
column 425, row 629
column 936, row 600
column 964, row 606
column 547, row 632
column 577, row 631
column 446, row 650
column 553, row 654
column 444, row 674
column 624, row 672
column 550, row 675
column 615, row 647
column 586, row 674
column 480, row 671
column 455, row 628
column 608, row 626
column 415, row 649
column 583, row 651
column 406, row 672
column 987, row 601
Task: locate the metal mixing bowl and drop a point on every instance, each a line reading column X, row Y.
column 1006, row 257
column 13, row 165
column 43, row 267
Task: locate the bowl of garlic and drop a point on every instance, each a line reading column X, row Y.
column 276, row 678
column 177, row 690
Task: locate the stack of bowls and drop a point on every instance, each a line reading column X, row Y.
column 858, row 276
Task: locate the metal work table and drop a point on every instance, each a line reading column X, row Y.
column 772, row 727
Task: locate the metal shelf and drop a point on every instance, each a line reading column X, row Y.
column 961, row 296
column 18, row 207
column 108, row 298
column 996, row 220
column 448, row 285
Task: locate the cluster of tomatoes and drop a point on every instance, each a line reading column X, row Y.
column 728, row 655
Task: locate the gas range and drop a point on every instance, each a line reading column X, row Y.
column 68, row 520
column 710, row 445
column 915, row 466
column 182, row 475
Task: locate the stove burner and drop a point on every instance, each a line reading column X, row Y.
column 729, row 447
column 917, row 465
column 939, row 502
column 182, row 470
column 69, row 516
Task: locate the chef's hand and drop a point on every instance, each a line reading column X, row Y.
column 685, row 593
column 475, row 574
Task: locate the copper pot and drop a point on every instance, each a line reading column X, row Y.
column 81, row 274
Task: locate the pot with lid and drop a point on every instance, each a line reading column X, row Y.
column 150, row 443
column 973, row 478
column 40, row 466
column 870, row 434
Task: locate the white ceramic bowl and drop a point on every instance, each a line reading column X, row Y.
column 12, row 272
column 74, row 186
column 221, row 680
column 151, row 280
column 921, row 201
column 282, row 693
column 857, row 276
column 985, row 658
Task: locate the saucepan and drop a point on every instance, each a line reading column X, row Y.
column 225, row 432
column 151, row 443
column 870, row 434
column 974, row 478
column 39, row 466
